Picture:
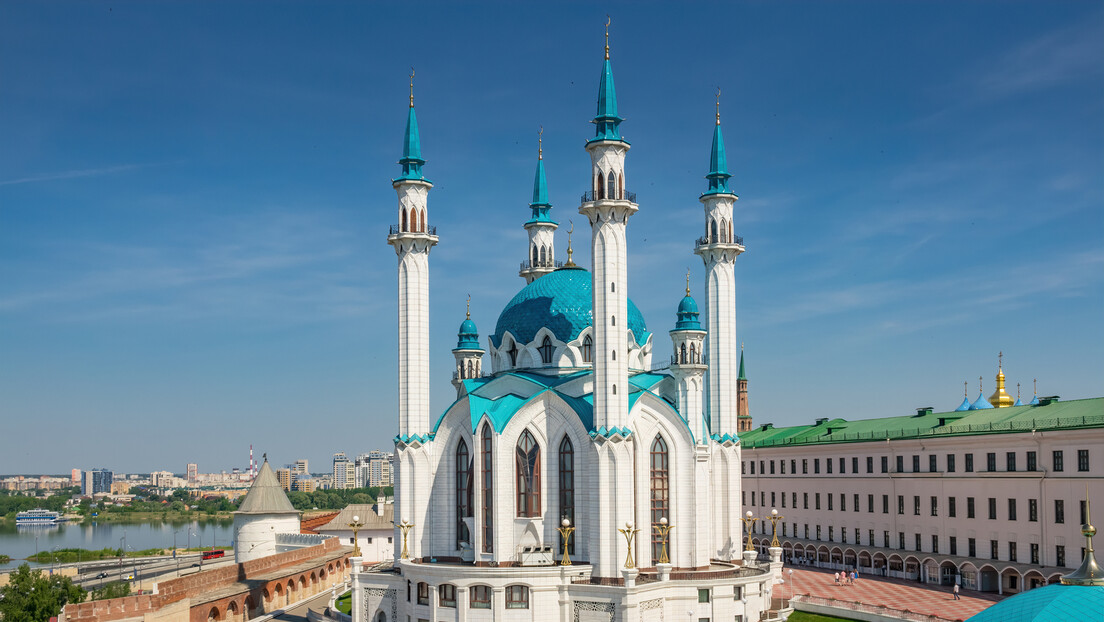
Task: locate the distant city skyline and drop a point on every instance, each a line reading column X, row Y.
column 194, row 202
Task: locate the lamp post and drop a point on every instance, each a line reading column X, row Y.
column 791, row 588
column 355, row 526
column 629, row 532
column 565, row 532
column 405, row 528
column 663, row 528
column 749, row 524
column 774, row 518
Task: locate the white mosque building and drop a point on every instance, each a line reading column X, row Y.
column 571, row 443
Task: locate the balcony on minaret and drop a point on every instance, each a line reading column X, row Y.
column 590, row 196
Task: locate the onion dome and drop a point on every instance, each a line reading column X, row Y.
column 1035, row 398
column 1019, row 402
column 687, row 311
column 980, row 403
column 999, row 398
column 468, row 335
column 965, row 405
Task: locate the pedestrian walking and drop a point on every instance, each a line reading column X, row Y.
column 854, row 576
column 837, row 576
column 956, row 592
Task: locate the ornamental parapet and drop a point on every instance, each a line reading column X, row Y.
column 591, row 196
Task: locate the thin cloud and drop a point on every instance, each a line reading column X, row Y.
column 87, row 172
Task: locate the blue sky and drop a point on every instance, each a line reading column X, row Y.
column 194, row 200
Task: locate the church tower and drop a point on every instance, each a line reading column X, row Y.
column 413, row 238
column 541, row 228
column 608, row 207
column 718, row 250
column 743, row 415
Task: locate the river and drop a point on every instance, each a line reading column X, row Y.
column 21, row 542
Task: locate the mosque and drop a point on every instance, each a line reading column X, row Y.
column 571, row 481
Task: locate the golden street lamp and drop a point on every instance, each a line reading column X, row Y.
column 355, row 526
column 749, row 524
column 663, row 528
column 629, row 532
column 405, row 527
column 774, row 518
column 565, row 531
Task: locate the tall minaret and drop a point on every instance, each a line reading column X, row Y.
column 412, row 239
column 541, row 228
column 719, row 249
column 608, row 206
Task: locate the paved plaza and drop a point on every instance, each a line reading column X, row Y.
column 893, row 593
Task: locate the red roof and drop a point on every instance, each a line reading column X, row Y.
column 310, row 524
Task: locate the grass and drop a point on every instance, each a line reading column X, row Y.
column 73, row 555
column 345, row 603
column 801, row 616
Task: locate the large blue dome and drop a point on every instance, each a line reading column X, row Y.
column 560, row 301
column 1054, row 602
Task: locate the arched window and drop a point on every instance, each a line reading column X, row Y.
column 611, row 186
column 535, row 255
column 615, row 389
column 601, row 186
column 527, row 462
column 513, row 352
column 613, row 353
column 567, row 488
column 724, row 230
column 682, row 353
column 712, row 230
column 487, row 464
column 463, row 493
column 517, row 597
column 423, row 222
column 588, row 349
column 660, row 491
column 545, row 350
column 621, row 186
column 693, row 355
column 542, row 256
column 382, row 617
column 471, row 370
column 402, row 223
column 613, row 320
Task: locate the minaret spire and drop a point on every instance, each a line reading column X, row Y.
column 607, row 120
column 540, row 226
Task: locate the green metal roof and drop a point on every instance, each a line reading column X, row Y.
column 1056, row 415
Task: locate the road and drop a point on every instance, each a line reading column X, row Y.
column 298, row 613
column 142, row 573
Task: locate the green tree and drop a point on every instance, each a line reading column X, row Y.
column 115, row 589
column 34, row 597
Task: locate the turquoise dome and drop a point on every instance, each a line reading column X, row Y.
column 981, row 403
column 560, row 301
column 687, row 315
column 1042, row 604
column 965, row 405
column 468, row 337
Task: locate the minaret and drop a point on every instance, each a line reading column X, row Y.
column 719, row 249
column 608, row 206
column 469, row 356
column 541, row 228
column 686, row 364
column 999, row 398
column 412, row 239
column 743, row 415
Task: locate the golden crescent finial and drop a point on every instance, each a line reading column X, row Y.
column 540, row 143
column 411, row 87
column 570, row 229
column 607, row 35
column 718, row 105
column 688, row 281
column 469, row 306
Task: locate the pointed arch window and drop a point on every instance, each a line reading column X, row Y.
column 660, row 491
column 601, row 185
column 487, row 465
column 423, row 222
column 712, row 230
column 693, row 354
column 463, row 493
column 621, row 186
column 471, row 370
column 402, row 223
column 611, row 186
column 513, row 352
column 682, row 353
column 545, row 350
column 535, row 254
column 724, row 230
column 588, row 349
column 527, row 463
column 567, row 487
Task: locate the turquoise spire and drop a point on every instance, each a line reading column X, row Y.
column 412, row 145
column 741, row 376
column 607, row 120
column 718, row 164
column 540, row 204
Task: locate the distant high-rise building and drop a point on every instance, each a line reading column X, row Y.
column 193, row 472
column 344, row 471
column 374, row 469
column 303, row 483
column 284, row 477
column 96, row 481
column 75, row 477
column 160, row 479
column 301, row 467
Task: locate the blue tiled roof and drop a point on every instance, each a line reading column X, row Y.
column 1054, row 602
column 560, row 301
column 468, row 336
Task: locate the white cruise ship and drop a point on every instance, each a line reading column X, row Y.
column 37, row 516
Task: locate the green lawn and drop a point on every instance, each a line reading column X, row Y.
column 801, row 616
column 345, row 603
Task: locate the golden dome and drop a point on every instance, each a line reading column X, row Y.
column 999, row 398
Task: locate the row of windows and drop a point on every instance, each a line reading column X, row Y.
column 414, row 225
column 527, row 470
column 546, row 349
column 952, row 542
column 1057, row 459
column 517, row 596
column 952, row 505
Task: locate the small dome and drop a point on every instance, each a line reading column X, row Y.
column 965, row 405
column 981, row 403
column 468, row 336
column 687, row 315
column 1042, row 604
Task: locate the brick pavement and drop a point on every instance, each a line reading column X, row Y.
column 893, row 593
